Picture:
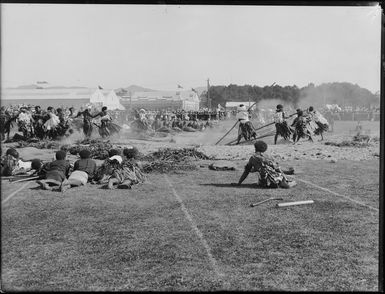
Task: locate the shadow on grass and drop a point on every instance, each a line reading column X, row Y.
column 228, row 185
column 36, row 188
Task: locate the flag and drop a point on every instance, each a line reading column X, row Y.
column 192, row 89
column 180, row 87
column 100, row 88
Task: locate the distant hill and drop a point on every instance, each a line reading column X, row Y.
column 133, row 89
column 33, row 86
column 62, row 87
column 26, row 87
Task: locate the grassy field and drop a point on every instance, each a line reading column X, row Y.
column 193, row 231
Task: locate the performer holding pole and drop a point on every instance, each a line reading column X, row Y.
column 281, row 127
column 238, row 121
column 246, row 129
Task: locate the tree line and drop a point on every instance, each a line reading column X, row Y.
column 328, row 93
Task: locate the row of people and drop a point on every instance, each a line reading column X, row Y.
column 35, row 122
column 305, row 125
column 53, row 123
column 122, row 171
column 146, row 122
column 196, row 115
column 118, row 171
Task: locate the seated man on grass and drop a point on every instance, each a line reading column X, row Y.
column 270, row 174
column 84, row 170
column 55, row 172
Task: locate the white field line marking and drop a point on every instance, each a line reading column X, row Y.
column 199, row 233
column 15, row 192
column 339, row 195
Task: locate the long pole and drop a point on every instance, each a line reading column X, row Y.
column 237, row 121
column 208, row 94
column 130, row 93
column 257, row 129
column 227, row 133
column 255, row 204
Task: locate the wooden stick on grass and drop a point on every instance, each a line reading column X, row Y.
column 295, row 203
column 255, row 204
column 24, row 179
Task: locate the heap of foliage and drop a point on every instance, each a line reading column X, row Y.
column 168, row 159
column 176, row 154
column 99, row 149
column 347, row 143
column 42, row 144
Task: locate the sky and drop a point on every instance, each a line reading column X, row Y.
column 161, row 46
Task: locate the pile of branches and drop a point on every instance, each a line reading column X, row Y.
column 362, row 138
column 39, row 144
column 348, row 144
column 357, row 141
column 176, row 154
column 98, row 149
column 168, row 166
column 168, row 159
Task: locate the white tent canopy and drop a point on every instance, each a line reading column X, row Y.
column 97, row 97
column 110, row 100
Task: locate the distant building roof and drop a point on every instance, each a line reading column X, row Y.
column 166, row 95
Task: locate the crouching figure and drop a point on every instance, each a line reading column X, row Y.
column 119, row 172
column 128, row 173
column 270, row 174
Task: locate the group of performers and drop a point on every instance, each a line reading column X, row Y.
column 106, row 128
column 306, row 124
column 53, row 123
column 36, row 123
column 148, row 121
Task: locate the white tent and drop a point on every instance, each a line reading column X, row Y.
column 112, row 101
column 97, row 97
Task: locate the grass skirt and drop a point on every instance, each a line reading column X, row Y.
column 283, row 130
column 321, row 128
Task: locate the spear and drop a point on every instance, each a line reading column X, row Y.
column 237, row 121
column 24, row 179
column 257, row 129
column 227, row 133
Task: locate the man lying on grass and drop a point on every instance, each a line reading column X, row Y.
column 270, row 174
column 55, row 172
column 84, row 170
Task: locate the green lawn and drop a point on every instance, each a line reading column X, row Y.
column 89, row 238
